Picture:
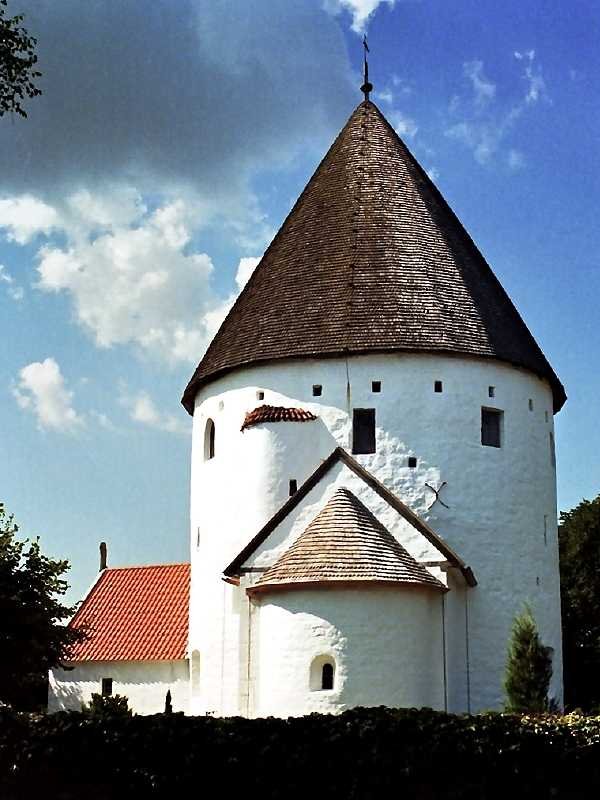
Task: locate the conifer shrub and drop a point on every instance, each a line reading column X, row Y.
column 528, row 668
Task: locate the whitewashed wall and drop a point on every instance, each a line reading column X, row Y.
column 374, row 635
column 502, row 502
column 144, row 683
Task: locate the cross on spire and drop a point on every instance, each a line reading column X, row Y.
column 367, row 87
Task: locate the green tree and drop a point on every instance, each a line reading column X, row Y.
column 528, row 667
column 579, row 546
column 17, row 63
column 33, row 636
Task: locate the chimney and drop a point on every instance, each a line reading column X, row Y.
column 102, row 556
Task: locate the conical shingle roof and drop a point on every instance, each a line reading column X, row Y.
column 371, row 259
column 345, row 542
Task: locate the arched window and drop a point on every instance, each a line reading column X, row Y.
column 209, row 440
column 327, row 676
column 195, row 672
column 322, row 674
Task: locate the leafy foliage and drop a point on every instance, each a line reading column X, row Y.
column 579, row 544
column 115, row 705
column 528, row 668
column 17, row 63
column 32, row 638
column 363, row 753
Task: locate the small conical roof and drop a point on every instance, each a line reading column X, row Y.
column 345, row 542
column 371, row 259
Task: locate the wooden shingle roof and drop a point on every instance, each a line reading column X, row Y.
column 345, row 542
column 371, row 259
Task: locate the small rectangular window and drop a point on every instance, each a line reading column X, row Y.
column 491, row 391
column 437, row 386
column 317, row 390
column 293, row 486
column 363, row 430
column 106, row 687
column 260, row 395
column 530, row 404
column 412, row 461
column 491, row 427
column 375, row 386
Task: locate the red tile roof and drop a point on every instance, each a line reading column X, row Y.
column 135, row 614
column 276, row 414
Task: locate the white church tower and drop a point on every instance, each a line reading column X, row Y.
column 373, row 489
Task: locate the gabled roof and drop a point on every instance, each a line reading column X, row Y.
column 340, row 455
column 276, row 414
column 345, row 542
column 135, row 614
column 371, row 259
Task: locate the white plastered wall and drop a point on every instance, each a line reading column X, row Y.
column 144, row 683
column 374, row 635
column 501, row 515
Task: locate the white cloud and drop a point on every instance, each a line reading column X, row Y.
column 13, row 289
column 484, row 127
column 433, row 174
column 516, row 159
column 360, row 10
column 134, row 280
column 41, row 390
column 386, row 96
column 142, row 409
column 403, row 124
column 25, row 217
column 536, row 85
column 483, row 88
column 245, row 269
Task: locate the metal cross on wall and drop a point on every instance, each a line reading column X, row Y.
column 437, row 495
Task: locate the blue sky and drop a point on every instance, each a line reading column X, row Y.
column 170, row 142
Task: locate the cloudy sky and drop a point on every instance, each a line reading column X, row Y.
column 169, row 144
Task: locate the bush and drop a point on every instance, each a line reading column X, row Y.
column 363, row 753
column 109, row 706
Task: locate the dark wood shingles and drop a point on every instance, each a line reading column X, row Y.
column 371, row 259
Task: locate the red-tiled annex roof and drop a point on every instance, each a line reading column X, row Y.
column 135, row 614
column 276, row 414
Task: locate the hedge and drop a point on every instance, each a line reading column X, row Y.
column 363, row 753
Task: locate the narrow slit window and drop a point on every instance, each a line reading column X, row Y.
column 363, row 430
column 293, row 486
column 375, row 386
column 552, row 450
column 491, row 391
column 107, row 687
column 530, row 404
column 327, row 676
column 317, row 390
column 546, row 416
column 209, row 440
column 412, row 461
column 491, row 427
column 438, row 387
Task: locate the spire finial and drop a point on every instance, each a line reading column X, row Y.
column 367, row 87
